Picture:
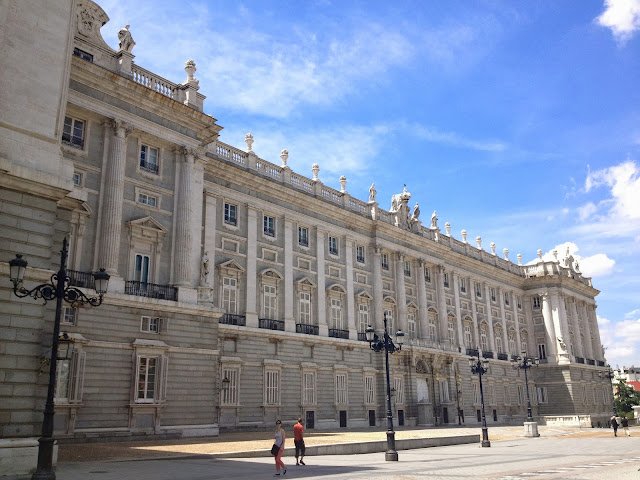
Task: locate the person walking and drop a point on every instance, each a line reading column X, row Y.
column 614, row 424
column 298, row 440
column 280, row 438
column 625, row 426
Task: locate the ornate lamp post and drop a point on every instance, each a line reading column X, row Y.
column 458, row 392
column 525, row 363
column 609, row 373
column 377, row 345
column 480, row 367
column 59, row 290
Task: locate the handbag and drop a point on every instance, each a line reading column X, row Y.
column 275, row 449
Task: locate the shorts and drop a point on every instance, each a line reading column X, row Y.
column 299, row 447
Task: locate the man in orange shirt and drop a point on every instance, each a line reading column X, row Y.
column 298, row 441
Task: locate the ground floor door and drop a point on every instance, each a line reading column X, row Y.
column 310, row 420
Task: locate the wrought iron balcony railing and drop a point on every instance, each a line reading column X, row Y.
column 81, row 279
column 338, row 333
column 307, row 329
column 270, row 324
column 150, row 290
column 232, row 319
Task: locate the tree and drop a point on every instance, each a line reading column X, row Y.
column 626, row 397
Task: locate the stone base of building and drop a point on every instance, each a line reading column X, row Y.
column 19, row 456
column 531, row 429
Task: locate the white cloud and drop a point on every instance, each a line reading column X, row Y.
column 622, row 17
column 587, row 210
column 597, row 265
column 624, row 181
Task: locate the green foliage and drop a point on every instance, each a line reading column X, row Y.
column 626, row 397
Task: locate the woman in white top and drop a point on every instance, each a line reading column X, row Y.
column 280, row 438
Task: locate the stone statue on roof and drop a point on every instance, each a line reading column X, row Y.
column 126, row 40
column 372, row 193
column 400, row 208
column 434, row 220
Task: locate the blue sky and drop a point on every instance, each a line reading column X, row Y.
column 518, row 121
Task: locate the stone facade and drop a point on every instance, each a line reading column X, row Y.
column 240, row 290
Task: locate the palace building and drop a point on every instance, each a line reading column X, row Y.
column 240, row 290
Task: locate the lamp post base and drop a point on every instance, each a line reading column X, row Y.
column 391, row 455
column 485, row 437
column 531, row 429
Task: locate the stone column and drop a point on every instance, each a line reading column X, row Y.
column 401, row 294
column 505, row 332
column 442, row 303
column 492, row 343
column 588, row 344
column 209, row 247
column 516, row 322
column 350, row 300
column 593, row 324
column 111, row 228
column 378, row 293
column 251, row 311
column 528, row 318
column 182, row 251
column 456, row 296
column 323, row 328
column 550, row 330
column 474, row 313
column 289, row 291
column 563, row 338
column 575, row 320
column 422, row 300
column 197, row 222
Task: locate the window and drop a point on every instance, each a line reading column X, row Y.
column 478, row 290
column 411, row 325
column 141, row 273
column 519, row 303
column 148, row 379
column 484, row 342
column 407, row 269
column 360, row 253
column 446, row 280
column 230, row 214
column 341, row 389
column 69, row 316
column 389, row 313
column 499, row 342
column 369, row 390
column 305, row 308
column 230, row 295
column 541, row 393
column 523, row 344
column 363, row 317
column 468, row 338
column 73, row 132
column 490, row 394
column 384, row 258
column 270, row 302
column 230, row 393
column 77, row 179
column 451, row 330
column 269, row 226
column 145, row 199
column 272, row 387
column 83, row 55
column 149, row 159
column 536, row 302
column 336, row 313
column 333, row 245
column 542, row 351
column 444, row 390
column 69, row 379
column 506, row 299
column 476, row 394
column 303, row 236
column 398, row 386
column 463, row 285
column 427, row 275
column 153, row 324
column 431, row 323
column 512, row 343
column 493, row 294
column 522, row 395
column 309, row 388
column 507, row 395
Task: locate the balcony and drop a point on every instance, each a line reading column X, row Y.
column 599, row 363
column 231, row 319
column 579, row 360
column 81, row 279
column 362, row 336
column 307, row 329
column 150, row 290
column 503, row 356
column 487, row 354
column 338, row 333
column 473, row 352
column 590, row 362
column 270, row 324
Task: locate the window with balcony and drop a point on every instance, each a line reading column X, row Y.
column 431, row 323
column 230, row 214
column 407, row 268
column 336, row 314
column 468, row 337
column 304, row 307
column 542, row 351
column 478, row 290
column 493, row 294
column 463, row 285
column 360, row 253
column 73, row 132
column 141, row 271
column 427, row 275
column 269, row 226
column 270, row 302
column 507, row 300
column 384, row 260
column 451, row 330
column 149, row 159
column 411, row 325
column 446, row 280
column 230, row 295
column 69, row 316
column 333, row 245
column 303, row 236
column 536, row 302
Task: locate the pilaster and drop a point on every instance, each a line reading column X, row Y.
column 378, row 293
column 550, row 330
column 183, row 220
column 422, row 300
column 401, row 294
column 323, row 328
column 456, row 297
column 492, row 342
column 503, row 317
column 442, row 302
column 289, row 291
column 251, row 311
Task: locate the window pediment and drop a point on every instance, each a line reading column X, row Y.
column 336, row 287
column 271, row 273
column 306, row 282
column 231, row 265
column 412, row 304
column 389, row 299
column 148, row 228
column 364, row 295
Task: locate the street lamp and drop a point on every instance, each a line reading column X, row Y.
column 525, row 363
column 608, row 373
column 458, row 392
column 481, row 366
column 59, row 290
column 386, row 344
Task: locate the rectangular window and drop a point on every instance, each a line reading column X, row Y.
column 269, row 226
column 427, row 275
column 541, row 393
column 444, row 390
column 61, row 392
column 230, row 295
column 363, row 317
column 309, row 388
column 411, row 325
column 150, row 324
column 493, row 294
column 145, row 199
column 451, row 329
column 512, row 344
column 484, row 341
column 536, row 302
column 498, row 340
column 77, row 179
column 341, row 389
column 149, row 159
column 147, row 371
column 333, row 245
column 446, row 280
column 272, row 387
column 360, row 253
column 507, row 395
column 519, row 303
column 542, row 351
column 70, row 379
column 384, row 258
column 398, row 386
column 468, row 338
column 303, row 236
column 305, row 308
column 389, row 313
column 73, row 132
column 522, row 395
column 230, row 392
column 432, row 328
column 476, row 394
column 478, row 290
column 69, row 316
column 407, row 269
column 523, row 345
column 83, row 55
column 506, row 299
column 463, row 285
column 336, row 313
column 270, row 302
column 141, row 273
column 369, row 390
column 230, row 214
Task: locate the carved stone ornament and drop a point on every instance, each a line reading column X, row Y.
column 248, row 139
column 400, row 209
column 121, row 128
column 90, row 19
